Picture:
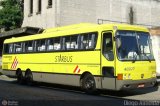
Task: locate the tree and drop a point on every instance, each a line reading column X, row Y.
column 11, row 14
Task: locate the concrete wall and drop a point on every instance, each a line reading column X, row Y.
column 156, row 51
column 156, row 47
column 77, row 11
column 65, row 12
column 45, row 19
column 145, row 11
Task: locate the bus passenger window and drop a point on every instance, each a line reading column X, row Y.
column 67, row 43
column 107, row 49
column 41, row 45
column 18, row 47
column 85, row 41
column 6, row 48
column 57, row 44
column 11, row 48
column 88, row 41
column 74, row 42
column 92, row 40
column 29, row 46
column 50, row 44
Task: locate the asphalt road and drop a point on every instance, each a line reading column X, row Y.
column 42, row 94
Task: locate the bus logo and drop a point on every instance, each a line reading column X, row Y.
column 15, row 63
column 77, row 69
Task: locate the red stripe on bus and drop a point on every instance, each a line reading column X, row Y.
column 75, row 68
column 13, row 62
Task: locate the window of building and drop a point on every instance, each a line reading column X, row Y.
column 39, row 6
column 31, row 8
column 49, row 4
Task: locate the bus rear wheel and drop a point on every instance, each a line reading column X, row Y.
column 88, row 84
column 20, row 77
column 29, row 78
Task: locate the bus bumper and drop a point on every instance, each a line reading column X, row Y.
column 133, row 84
column 8, row 73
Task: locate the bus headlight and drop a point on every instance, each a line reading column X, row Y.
column 129, row 76
column 125, row 76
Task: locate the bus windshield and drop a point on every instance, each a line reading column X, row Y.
column 132, row 45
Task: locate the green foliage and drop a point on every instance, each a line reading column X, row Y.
column 11, row 15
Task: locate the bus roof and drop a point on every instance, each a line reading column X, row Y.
column 75, row 29
column 75, row 26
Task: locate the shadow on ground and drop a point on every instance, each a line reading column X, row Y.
column 107, row 97
column 110, row 93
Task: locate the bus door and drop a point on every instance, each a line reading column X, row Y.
column 107, row 61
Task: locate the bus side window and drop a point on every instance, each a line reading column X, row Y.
column 40, row 45
column 70, row 42
column 84, row 44
column 11, row 48
column 93, row 40
column 18, row 47
column 57, row 44
column 29, row 46
column 50, row 43
column 6, row 48
column 67, row 44
column 88, row 41
column 74, row 42
column 107, row 49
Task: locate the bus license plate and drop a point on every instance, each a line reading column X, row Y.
column 140, row 85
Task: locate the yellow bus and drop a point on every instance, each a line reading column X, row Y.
column 107, row 56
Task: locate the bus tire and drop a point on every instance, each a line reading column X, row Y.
column 88, row 84
column 20, row 79
column 29, row 77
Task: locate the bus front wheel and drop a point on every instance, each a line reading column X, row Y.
column 88, row 84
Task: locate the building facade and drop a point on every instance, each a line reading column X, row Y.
column 53, row 13
column 155, row 32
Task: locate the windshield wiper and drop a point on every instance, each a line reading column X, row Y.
column 134, row 58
